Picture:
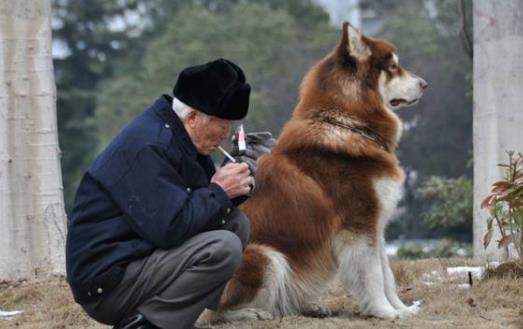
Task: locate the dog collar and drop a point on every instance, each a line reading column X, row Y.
column 362, row 131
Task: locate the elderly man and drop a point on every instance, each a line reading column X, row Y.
column 154, row 234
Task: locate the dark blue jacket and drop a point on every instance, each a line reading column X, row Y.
column 149, row 189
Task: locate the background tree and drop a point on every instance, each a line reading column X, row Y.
column 498, row 119
column 32, row 214
column 91, row 35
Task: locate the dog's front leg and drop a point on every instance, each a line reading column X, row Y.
column 390, row 287
column 361, row 273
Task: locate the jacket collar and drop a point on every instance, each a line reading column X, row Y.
column 163, row 108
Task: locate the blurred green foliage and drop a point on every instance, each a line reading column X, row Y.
column 448, row 206
column 274, row 53
column 83, row 31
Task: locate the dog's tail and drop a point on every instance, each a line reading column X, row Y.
column 262, row 281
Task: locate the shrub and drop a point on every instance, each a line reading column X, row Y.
column 505, row 203
column 450, row 204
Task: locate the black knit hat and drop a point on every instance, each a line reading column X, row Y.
column 216, row 88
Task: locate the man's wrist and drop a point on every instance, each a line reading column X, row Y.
column 220, row 195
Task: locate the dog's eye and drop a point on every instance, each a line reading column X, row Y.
column 393, row 67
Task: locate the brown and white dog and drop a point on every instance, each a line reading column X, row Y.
column 326, row 191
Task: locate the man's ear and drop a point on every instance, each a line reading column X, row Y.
column 191, row 118
column 353, row 43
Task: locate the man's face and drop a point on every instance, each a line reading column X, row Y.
column 207, row 135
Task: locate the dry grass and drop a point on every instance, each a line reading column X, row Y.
column 509, row 269
column 488, row 304
column 46, row 304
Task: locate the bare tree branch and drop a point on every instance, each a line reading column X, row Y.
column 464, row 32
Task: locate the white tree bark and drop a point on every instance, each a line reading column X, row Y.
column 498, row 102
column 32, row 216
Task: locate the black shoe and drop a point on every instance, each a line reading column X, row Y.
column 136, row 321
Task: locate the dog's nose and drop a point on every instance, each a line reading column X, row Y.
column 423, row 84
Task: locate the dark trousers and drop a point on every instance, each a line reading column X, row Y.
column 171, row 288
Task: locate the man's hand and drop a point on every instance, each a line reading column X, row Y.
column 234, row 179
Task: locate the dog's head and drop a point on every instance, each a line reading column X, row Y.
column 375, row 64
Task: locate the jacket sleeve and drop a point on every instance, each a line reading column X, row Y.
column 160, row 208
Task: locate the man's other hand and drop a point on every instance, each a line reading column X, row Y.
column 257, row 144
column 234, row 179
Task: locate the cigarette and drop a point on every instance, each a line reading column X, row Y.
column 226, row 154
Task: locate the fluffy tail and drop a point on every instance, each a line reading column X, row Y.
column 263, row 281
column 248, row 280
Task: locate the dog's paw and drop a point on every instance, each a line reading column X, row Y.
column 317, row 311
column 263, row 315
column 415, row 308
column 248, row 314
column 207, row 317
column 386, row 313
column 410, row 311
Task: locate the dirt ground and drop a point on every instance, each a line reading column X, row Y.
column 447, row 303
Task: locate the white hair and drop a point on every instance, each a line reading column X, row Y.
column 182, row 110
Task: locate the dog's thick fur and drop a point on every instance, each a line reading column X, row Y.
column 324, row 194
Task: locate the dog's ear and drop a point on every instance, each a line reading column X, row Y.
column 352, row 42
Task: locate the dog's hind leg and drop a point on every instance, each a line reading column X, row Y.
column 241, row 290
column 390, row 287
column 361, row 273
column 258, row 290
column 317, row 310
column 311, row 288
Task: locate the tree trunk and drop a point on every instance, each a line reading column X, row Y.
column 498, row 99
column 32, row 216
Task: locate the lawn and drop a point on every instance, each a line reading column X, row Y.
column 448, row 302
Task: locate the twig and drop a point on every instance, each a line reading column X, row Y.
column 485, row 318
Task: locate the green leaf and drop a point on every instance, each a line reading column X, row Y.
column 490, row 220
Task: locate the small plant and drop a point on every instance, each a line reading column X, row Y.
column 505, row 203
